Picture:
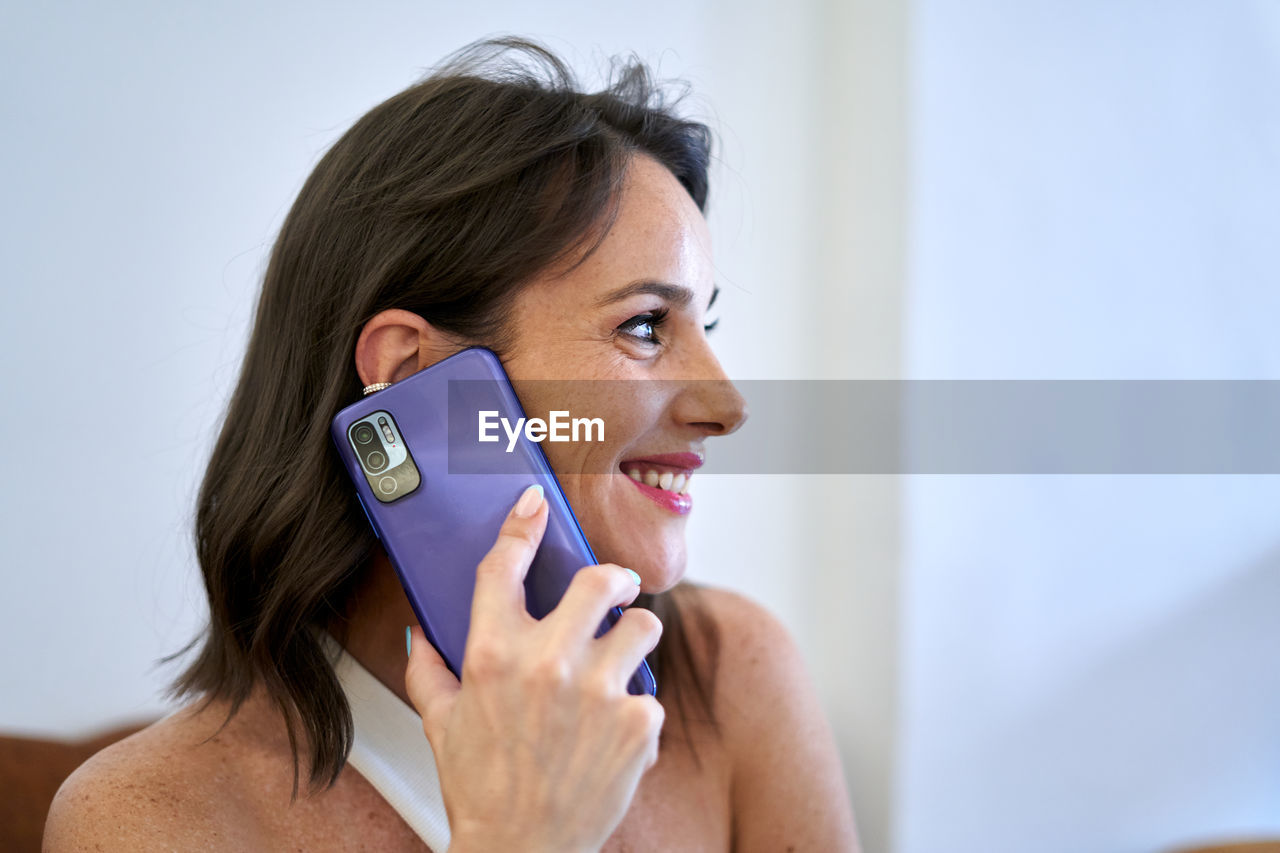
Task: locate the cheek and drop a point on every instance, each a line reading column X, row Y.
column 626, row 420
column 656, row 552
column 626, row 528
column 622, row 526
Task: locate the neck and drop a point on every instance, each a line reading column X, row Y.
column 375, row 630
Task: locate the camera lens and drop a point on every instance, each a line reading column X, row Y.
column 387, row 485
column 364, row 434
column 376, row 461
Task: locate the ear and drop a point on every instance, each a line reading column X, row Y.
column 396, row 344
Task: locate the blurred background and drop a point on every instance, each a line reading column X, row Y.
column 995, row 189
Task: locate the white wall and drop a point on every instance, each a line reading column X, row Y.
column 152, row 152
column 1010, row 663
column 1089, row 663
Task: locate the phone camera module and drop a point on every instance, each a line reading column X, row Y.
column 384, row 456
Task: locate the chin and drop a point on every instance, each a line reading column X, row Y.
column 661, row 565
column 630, row 530
column 658, row 576
column 656, row 552
column 658, row 556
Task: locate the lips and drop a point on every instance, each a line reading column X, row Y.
column 686, row 461
column 664, row 478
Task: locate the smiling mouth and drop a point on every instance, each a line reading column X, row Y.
column 664, row 478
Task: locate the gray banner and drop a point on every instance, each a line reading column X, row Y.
column 934, row 426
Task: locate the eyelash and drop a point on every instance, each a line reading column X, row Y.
column 654, row 320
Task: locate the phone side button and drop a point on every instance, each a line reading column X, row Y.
column 366, row 515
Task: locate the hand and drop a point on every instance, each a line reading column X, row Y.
column 540, row 747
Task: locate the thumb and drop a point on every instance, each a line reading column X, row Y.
column 432, row 688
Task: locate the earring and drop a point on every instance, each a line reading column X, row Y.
column 377, row 386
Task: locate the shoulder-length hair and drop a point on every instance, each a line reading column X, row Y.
column 444, row 200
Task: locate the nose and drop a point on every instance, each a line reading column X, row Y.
column 708, row 400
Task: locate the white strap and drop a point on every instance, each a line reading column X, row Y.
column 391, row 751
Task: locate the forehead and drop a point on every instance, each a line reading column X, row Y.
column 659, row 235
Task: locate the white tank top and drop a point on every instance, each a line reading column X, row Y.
column 391, row 751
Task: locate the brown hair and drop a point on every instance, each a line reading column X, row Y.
column 443, row 200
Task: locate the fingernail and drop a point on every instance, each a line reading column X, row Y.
column 529, row 502
column 635, row 577
column 408, row 642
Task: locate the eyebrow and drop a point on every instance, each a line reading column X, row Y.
column 673, row 293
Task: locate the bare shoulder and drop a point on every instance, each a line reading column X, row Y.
column 789, row 787
column 161, row 788
column 755, row 651
column 759, row 674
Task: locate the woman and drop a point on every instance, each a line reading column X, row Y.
column 489, row 204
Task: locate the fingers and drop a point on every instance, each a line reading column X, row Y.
column 592, row 591
column 432, row 688
column 499, row 591
column 632, row 637
column 647, row 716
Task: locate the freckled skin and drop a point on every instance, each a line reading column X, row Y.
column 659, row 235
column 769, row 778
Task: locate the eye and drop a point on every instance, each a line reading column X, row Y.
column 710, row 327
column 644, row 327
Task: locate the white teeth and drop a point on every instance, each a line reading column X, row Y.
column 666, row 480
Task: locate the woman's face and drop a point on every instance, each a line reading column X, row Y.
column 636, row 309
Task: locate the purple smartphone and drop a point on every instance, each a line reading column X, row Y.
column 436, row 495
